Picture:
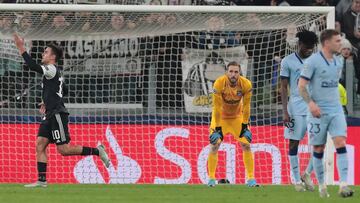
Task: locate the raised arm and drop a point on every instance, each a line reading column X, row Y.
column 20, row 44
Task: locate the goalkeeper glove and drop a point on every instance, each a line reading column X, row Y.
column 216, row 135
column 245, row 132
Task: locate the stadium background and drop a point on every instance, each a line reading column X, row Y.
column 151, row 130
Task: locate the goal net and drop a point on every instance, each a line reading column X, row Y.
column 140, row 81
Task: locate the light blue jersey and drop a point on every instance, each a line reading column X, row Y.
column 291, row 67
column 323, row 77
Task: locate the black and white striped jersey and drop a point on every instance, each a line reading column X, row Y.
column 53, row 90
column 53, row 86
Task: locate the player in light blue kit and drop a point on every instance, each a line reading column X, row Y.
column 295, row 110
column 321, row 74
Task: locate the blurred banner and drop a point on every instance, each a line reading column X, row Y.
column 102, row 57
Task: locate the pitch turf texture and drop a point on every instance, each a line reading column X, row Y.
column 12, row 193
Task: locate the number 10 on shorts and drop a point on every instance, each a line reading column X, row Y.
column 56, row 134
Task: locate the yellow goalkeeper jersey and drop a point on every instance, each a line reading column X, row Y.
column 231, row 102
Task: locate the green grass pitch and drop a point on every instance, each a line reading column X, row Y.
column 13, row 193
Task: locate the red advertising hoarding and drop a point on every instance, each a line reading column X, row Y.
column 154, row 154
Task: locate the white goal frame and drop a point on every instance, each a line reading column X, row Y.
column 328, row 11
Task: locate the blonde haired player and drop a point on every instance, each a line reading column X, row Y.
column 230, row 115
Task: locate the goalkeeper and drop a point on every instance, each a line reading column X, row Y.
column 230, row 115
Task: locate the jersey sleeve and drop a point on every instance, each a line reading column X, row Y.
column 247, row 92
column 49, row 71
column 284, row 71
column 31, row 63
column 308, row 70
column 217, row 102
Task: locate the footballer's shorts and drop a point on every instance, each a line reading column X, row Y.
column 318, row 128
column 230, row 127
column 55, row 129
column 296, row 129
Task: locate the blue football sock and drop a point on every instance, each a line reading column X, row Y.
column 319, row 166
column 309, row 167
column 342, row 163
column 294, row 164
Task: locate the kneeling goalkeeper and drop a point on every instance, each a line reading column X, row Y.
column 230, row 115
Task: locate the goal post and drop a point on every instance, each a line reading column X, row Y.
column 140, row 81
column 199, row 11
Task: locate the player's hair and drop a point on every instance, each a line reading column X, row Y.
column 327, row 34
column 56, row 50
column 307, row 37
column 233, row 63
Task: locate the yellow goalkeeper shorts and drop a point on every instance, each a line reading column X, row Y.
column 230, row 126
